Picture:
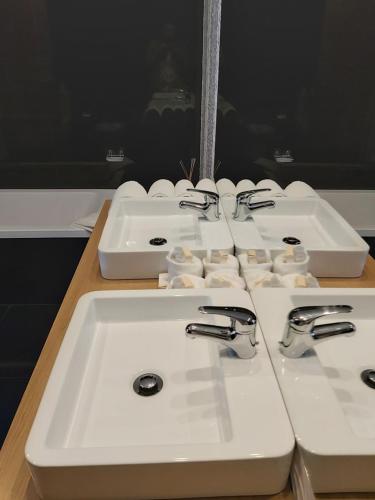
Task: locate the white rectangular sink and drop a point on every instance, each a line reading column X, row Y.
column 331, row 409
column 335, row 249
column 126, row 249
column 218, row 426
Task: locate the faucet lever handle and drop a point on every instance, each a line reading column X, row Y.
column 244, row 316
column 250, row 193
column 210, row 194
column 303, row 316
column 321, row 332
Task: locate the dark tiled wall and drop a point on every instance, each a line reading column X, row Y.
column 35, row 275
column 371, row 242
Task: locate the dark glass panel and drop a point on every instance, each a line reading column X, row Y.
column 94, row 92
column 297, row 92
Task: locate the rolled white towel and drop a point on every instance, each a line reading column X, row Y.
column 225, row 278
column 296, row 280
column 262, row 279
column 180, row 260
column 162, row 188
column 292, row 260
column 217, row 260
column 186, row 281
column 259, row 259
column 225, row 187
column 297, row 189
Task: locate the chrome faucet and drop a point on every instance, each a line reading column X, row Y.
column 239, row 336
column 301, row 334
column 244, row 207
column 209, row 208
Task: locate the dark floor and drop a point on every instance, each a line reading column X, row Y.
column 23, row 330
column 30, row 296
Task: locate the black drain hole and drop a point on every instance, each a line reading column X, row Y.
column 291, row 240
column 158, row 241
column 148, row 384
column 368, row 377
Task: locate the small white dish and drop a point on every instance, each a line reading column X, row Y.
column 181, row 188
column 206, row 185
column 162, row 188
column 244, row 185
column 131, row 189
column 225, row 187
column 275, row 189
column 299, row 188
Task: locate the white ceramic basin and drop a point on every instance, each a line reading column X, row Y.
column 218, row 426
column 125, row 250
column 331, row 409
column 335, row 248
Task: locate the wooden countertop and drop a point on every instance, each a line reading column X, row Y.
column 15, row 480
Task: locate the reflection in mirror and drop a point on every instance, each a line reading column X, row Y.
column 296, row 95
column 96, row 92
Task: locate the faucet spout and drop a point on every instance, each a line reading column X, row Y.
column 221, row 333
column 323, row 332
column 301, row 333
column 209, row 208
column 239, row 336
column 261, row 204
column 244, row 207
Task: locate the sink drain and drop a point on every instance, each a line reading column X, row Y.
column 148, row 384
column 368, row 377
column 291, row 240
column 158, row 241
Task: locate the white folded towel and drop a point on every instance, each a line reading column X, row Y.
column 296, row 280
column 181, row 261
column 262, row 279
column 186, row 281
column 87, row 222
column 224, row 279
column 292, row 260
column 217, row 260
column 259, row 259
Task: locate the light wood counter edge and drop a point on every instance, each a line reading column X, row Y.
column 15, row 480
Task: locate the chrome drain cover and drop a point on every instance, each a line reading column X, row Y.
column 158, row 241
column 291, row 240
column 148, row 384
column 368, row 377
